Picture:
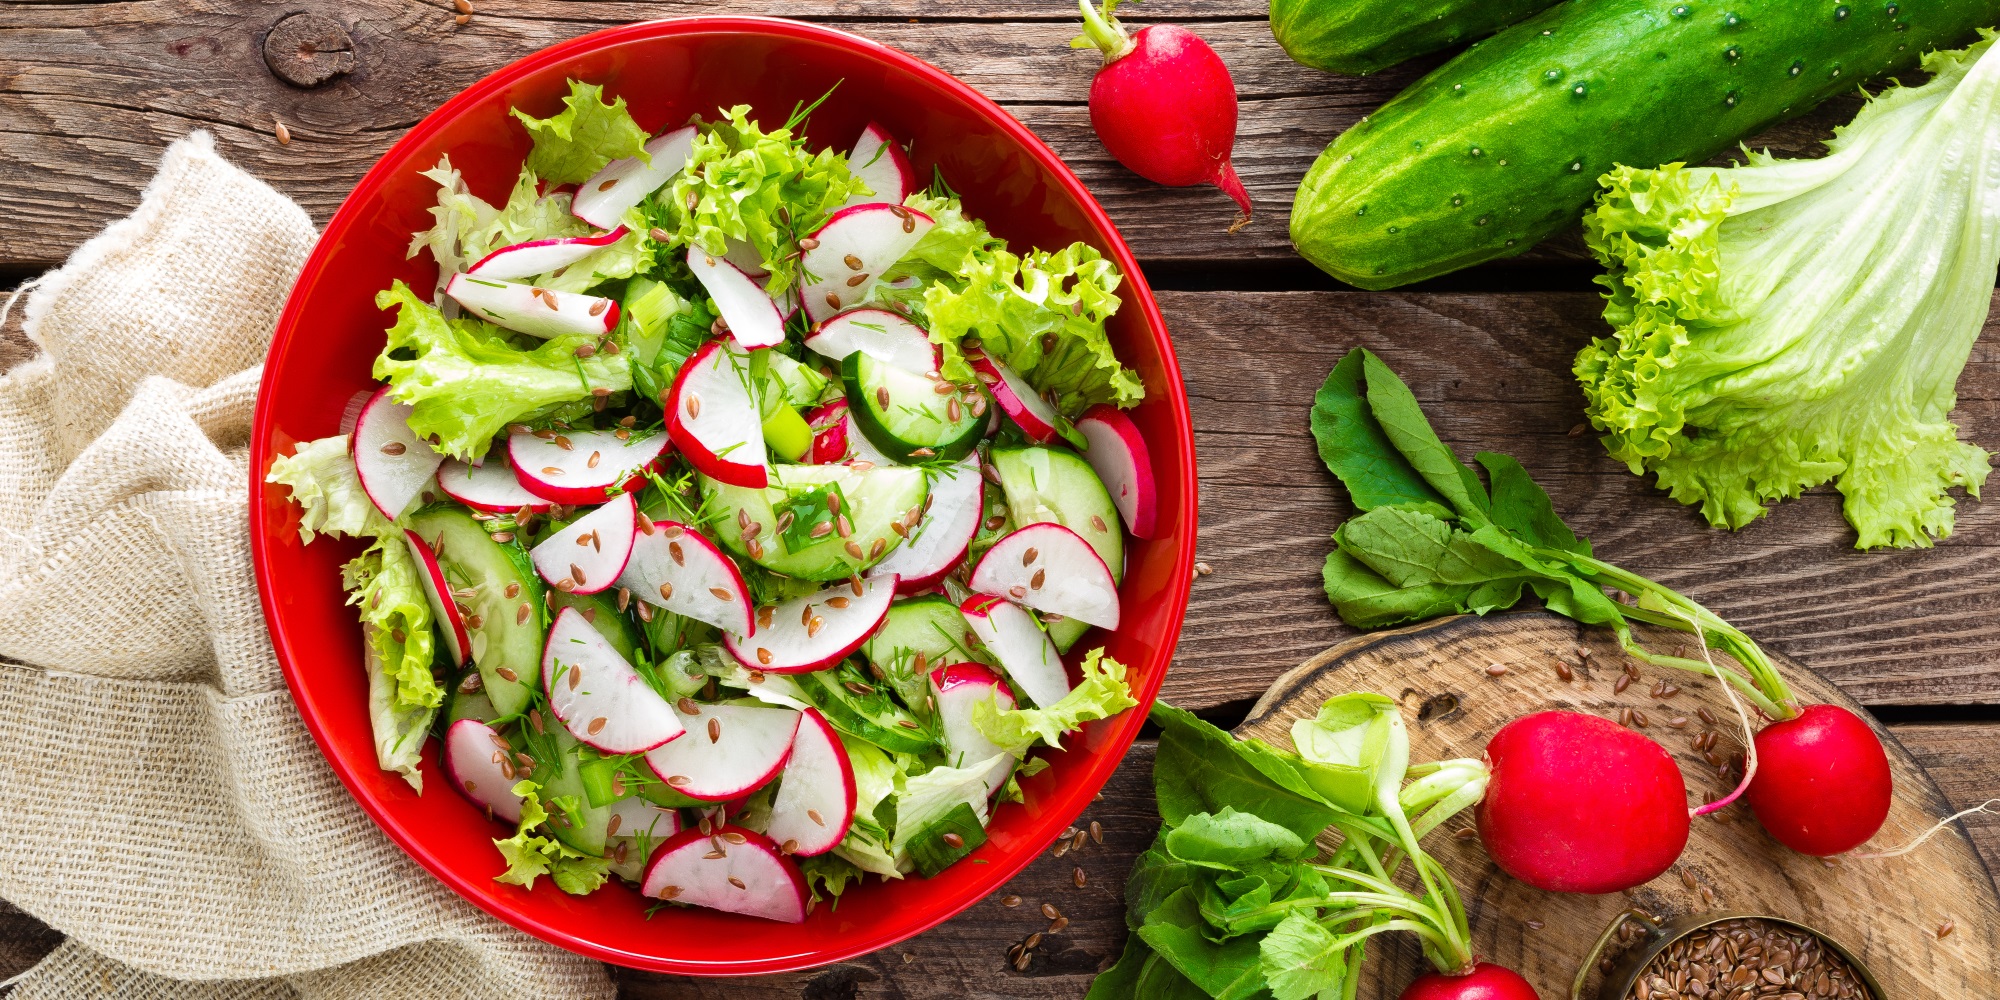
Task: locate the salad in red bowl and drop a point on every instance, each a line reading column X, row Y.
column 720, row 512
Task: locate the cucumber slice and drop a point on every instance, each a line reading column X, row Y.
column 857, row 707
column 585, row 830
column 902, row 413
column 928, row 848
column 601, row 611
column 929, row 626
column 502, row 582
column 1054, row 484
column 871, row 499
column 470, row 704
column 1064, row 632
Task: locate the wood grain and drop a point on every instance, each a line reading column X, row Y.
column 1887, row 910
column 91, row 93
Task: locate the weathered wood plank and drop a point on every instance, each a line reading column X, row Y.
column 91, row 93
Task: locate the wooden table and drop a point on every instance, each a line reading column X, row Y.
column 90, row 93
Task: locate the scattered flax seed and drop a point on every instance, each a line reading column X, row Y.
column 1578, row 430
column 1496, row 670
column 721, row 594
column 1058, row 925
column 737, row 882
column 1203, row 569
column 715, row 730
column 1077, row 876
column 813, row 814
column 734, row 837
column 1624, row 682
column 953, row 841
column 1705, row 715
column 503, row 537
column 1625, row 717
column 1563, row 671
column 1688, row 879
column 1097, row 833
column 1076, row 842
column 576, row 573
column 908, row 958
column 1639, row 719
column 1020, row 963
column 1049, row 911
column 1535, row 925
column 596, row 725
column 1465, row 833
column 1944, row 929
column 1677, row 722
column 1010, row 900
column 763, row 656
column 1062, row 847
column 284, row 134
column 854, row 549
column 507, row 674
column 1667, row 690
column 808, row 243
column 677, row 781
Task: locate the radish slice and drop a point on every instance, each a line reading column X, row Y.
column 525, row 260
column 490, row 487
column 753, row 319
column 537, row 312
column 1030, row 412
column 714, row 420
column 732, row 869
column 611, row 192
column 1118, row 453
column 882, row 165
column 816, row 631
column 883, row 335
column 745, row 257
column 958, row 687
column 451, row 624
column 600, row 699
column 676, row 568
column 478, row 761
column 394, row 464
column 858, row 242
column 580, row 467
column 630, row 820
column 1049, row 568
column 730, row 750
column 837, row 440
column 815, row 801
column 589, row 554
column 953, row 510
column 1025, row 651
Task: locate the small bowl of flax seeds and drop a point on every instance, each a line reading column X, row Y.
column 1725, row 956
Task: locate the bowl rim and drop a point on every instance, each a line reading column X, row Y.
column 1070, row 801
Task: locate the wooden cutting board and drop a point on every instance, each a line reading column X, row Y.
column 1887, row 910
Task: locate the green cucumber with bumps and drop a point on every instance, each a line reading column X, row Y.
column 1503, row 145
column 1362, row 36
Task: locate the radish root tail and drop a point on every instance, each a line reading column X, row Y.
column 1983, row 807
column 1742, row 715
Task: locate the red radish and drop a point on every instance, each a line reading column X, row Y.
column 752, row 317
column 630, row 820
column 816, row 631
column 1024, row 650
column 1030, row 412
column 393, row 463
column 588, row 554
column 846, row 254
column 583, row 467
column 1118, row 453
column 489, row 487
column 731, row 869
column 1823, row 783
column 1051, row 569
column 959, row 687
column 525, row 260
column 1581, row 804
column 815, row 801
column 609, row 193
column 713, row 419
column 598, row 697
column 956, row 505
column 537, row 312
column 451, row 624
column 1484, row 981
column 886, row 336
column 1163, row 104
column 729, row 750
column 677, row 568
column 478, row 760
column 837, row 440
column 882, row 165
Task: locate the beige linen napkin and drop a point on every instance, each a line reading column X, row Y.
column 160, row 801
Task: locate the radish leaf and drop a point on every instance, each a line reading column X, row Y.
column 1228, row 839
column 1353, row 446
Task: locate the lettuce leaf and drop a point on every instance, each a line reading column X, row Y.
column 938, row 254
column 1042, row 315
column 571, row 146
column 1785, row 323
column 631, row 254
column 530, row 855
column 926, row 797
column 457, row 214
column 465, row 381
column 328, row 491
column 1101, row 694
column 382, row 581
column 763, row 188
column 399, row 729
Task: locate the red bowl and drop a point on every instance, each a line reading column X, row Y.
column 331, row 331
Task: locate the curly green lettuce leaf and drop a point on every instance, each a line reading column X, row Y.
column 457, row 215
column 938, row 253
column 925, row 798
column 629, row 255
column 465, row 381
column 328, row 491
column 1785, row 323
column 399, row 729
column 764, row 188
column 827, row 876
column 1101, row 694
column 1042, row 315
column 586, row 135
column 383, row 582
column 530, row 855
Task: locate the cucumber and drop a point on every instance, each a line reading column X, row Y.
column 930, row 625
column 601, row 611
column 1064, row 632
column 932, row 853
column 505, row 640
column 1362, row 36
column 871, row 499
column 1504, row 144
column 470, row 704
column 856, row 706
column 1054, row 484
column 901, row 412
column 584, row 831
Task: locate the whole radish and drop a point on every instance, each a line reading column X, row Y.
column 1164, row 104
column 1484, row 981
column 1580, row 804
column 1822, row 785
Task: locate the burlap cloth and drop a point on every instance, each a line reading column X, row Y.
column 160, row 801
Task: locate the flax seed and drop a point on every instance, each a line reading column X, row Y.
column 1097, row 833
column 1624, row 682
column 1010, row 900
column 1079, row 878
column 284, row 134
column 507, row 674
column 596, row 725
column 721, row 594
column 1705, row 715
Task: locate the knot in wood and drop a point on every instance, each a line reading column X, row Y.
column 308, row 49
